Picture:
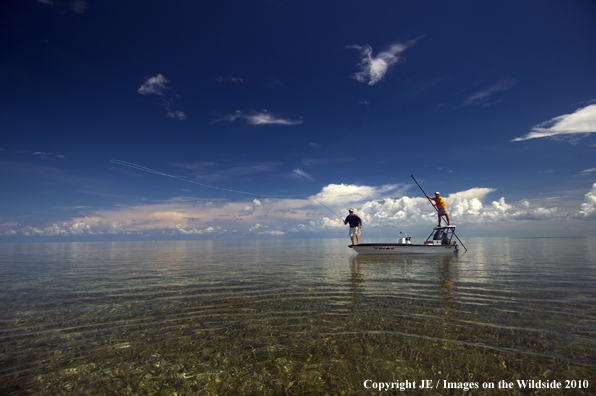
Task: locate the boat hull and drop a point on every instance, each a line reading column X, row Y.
column 394, row 248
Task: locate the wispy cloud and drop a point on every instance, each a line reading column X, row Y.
column 79, row 6
column 211, row 171
column 48, row 155
column 154, row 85
column 374, row 68
column 258, row 118
column 235, row 80
column 177, row 114
column 586, row 172
column 483, row 97
column 301, row 174
column 581, row 122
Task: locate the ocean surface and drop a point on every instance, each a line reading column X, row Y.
column 291, row 317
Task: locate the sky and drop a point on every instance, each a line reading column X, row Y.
column 153, row 120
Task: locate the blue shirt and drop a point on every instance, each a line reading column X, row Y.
column 354, row 221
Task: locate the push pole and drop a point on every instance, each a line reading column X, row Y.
column 412, row 176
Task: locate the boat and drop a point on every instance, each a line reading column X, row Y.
column 440, row 241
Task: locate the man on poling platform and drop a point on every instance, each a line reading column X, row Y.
column 355, row 226
column 441, row 207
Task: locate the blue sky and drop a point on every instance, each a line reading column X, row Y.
column 261, row 110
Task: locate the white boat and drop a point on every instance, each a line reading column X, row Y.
column 440, row 241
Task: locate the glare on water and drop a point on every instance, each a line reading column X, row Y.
column 292, row 316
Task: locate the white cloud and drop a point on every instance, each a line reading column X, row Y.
column 379, row 207
column 249, row 210
column 47, row 155
column 343, row 194
column 582, row 121
column 157, row 85
column 373, row 69
column 79, row 228
column 479, row 193
column 265, row 118
column 208, row 230
column 588, row 208
column 482, row 97
column 235, row 80
column 301, row 174
column 154, row 86
column 587, row 172
column 263, row 230
column 258, row 118
column 176, row 114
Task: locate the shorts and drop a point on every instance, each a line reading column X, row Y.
column 354, row 231
column 442, row 212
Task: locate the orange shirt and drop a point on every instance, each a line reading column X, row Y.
column 440, row 202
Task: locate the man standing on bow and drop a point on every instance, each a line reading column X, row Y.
column 441, row 207
column 355, row 226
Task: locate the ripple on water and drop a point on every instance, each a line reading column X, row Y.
column 305, row 321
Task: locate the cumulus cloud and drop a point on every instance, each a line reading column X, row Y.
column 478, row 193
column 321, row 214
column 154, row 85
column 577, row 124
column 483, row 97
column 195, row 231
column 250, row 209
column 342, row 194
column 374, row 68
column 258, row 118
column 588, row 208
column 264, row 230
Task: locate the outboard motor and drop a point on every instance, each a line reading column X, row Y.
column 406, row 240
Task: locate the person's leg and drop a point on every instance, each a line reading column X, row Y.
column 447, row 217
column 439, row 220
column 357, row 239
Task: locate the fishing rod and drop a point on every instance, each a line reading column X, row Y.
column 327, row 208
column 434, row 206
column 184, row 179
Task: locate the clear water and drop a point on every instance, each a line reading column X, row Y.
column 293, row 317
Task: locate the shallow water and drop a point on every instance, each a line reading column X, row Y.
column 295, row 317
